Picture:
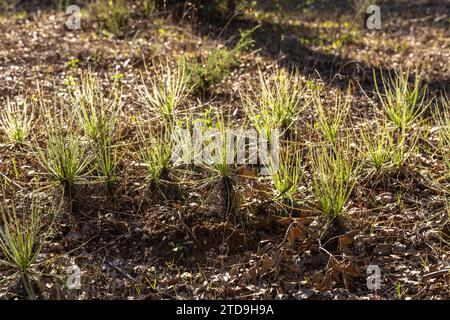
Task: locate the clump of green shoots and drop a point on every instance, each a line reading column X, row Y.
column 98, row 115
column 277, row 102
column 404, row 146
column 219, row 162
column 403, row 102
column 155, row 150
column 218, row 64
column 21, row 241
column 286, row 175
column 16, row 121
column 329, row 122
column 63, row 156
column 168, row 87
column 334, row 174
column 377, row 145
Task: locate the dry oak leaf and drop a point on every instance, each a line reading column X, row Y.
column 346, row 240
column 298, row 229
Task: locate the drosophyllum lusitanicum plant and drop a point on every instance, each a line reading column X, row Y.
column 220, row 166
column 277, row 102
column 98, row 113
column 442, row 115
column 154, row 151
column 334, row 171
column 403, row 103
column 61, row 152
column 286, row 174
column 22, row 238
column 444, row 131
column 163, row 91
column 16, row 121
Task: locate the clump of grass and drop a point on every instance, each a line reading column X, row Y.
column 168, row 87
column 377, row 145
column 404, row 146
column 286, row 176
column 403, row 102
column 334, row 174
column 219, row 161
column 155, row 150
column 330, row 121
column 113, row 15
column 98, row 115
column 21, row 240
column 16, row 121
column 276, row 103
column 218, row 64
column 63, row 156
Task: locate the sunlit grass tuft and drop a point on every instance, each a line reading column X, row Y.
column 98, row 115
column 402, row 101
column 166, row 91
column 21, row 240
column 334, row 174
column 444, row 132
column 377, row 144
column 155, row 150
column 16, row 121
column 277, row 103
column 330, row 121
column 63, row 156
column 287, row 175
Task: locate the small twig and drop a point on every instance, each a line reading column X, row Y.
column 110, row 264
column 436, row 274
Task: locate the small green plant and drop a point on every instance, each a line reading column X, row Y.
column 175, row 247
column 276, row 103
column 64, row 156
column 329, row 122
column 107, row 155
column 404, row 146
column 334, row 173
column 218, row 64
column 155, row 150
column 403, row 102
column 16, row 121
column 21, row 240
column 98, row 115
column 219, row 161
column 378, row 145
column 168, row 87
column 287, row 175
column 113, row 15
column 73, row 64
column 399, row 291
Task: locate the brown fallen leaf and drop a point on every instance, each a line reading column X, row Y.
column 293, row 233
column 267, row 264
column 297, row 230
column 346, row 240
